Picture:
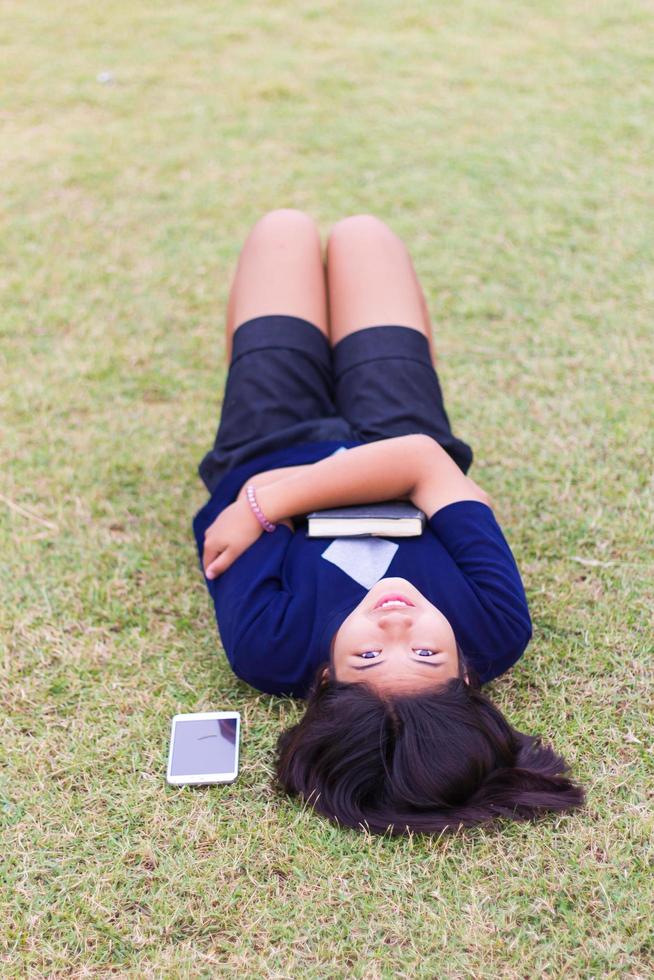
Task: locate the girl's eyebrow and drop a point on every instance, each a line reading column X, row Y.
column 376, row 663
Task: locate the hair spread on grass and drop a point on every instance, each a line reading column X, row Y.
column 423, row 763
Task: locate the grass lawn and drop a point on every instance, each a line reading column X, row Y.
column 511, row 145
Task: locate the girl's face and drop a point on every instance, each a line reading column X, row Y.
column 395, row 640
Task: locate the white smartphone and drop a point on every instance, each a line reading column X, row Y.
column 204, row 748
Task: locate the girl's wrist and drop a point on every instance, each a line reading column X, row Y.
column 248, row 514
column 259, row 514
column 270, row 503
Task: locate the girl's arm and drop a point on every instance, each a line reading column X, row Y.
column 271, row 476
column 413, row 467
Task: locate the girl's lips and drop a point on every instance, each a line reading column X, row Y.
column 393, row 595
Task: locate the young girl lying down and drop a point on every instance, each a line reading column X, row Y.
column 332, row 398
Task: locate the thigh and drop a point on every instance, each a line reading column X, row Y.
column 279, row 358
column 279, row 272
column 279, row 388
column 386, row 385
column 385, row 380
column 371, row 279
column 279, row 392
column 280, row 375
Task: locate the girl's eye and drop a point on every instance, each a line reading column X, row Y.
column 370, row 654
column 425, row 653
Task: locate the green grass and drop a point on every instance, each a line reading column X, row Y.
column 510, row 144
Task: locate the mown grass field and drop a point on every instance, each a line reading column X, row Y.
column 511, row 145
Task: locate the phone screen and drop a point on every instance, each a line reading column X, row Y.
column 204, row 746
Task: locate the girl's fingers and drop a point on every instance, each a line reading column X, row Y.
column 219, row 564
column 211, row 551
column 208, row 555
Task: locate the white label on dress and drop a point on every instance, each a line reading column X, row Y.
column 363, row 559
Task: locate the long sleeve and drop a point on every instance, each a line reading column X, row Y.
column 261, row 627
column 471, row 535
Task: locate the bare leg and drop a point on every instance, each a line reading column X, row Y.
column 371, row 280
column 279, row 271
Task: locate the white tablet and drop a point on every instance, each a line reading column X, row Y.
column 204, row 748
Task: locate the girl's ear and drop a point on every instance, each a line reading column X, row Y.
column 464, row 673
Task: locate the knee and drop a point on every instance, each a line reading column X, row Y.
column 287, row 220
column 360, row 227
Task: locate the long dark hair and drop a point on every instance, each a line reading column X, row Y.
column 425, row 763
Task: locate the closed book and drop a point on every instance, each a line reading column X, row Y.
column 392, row 519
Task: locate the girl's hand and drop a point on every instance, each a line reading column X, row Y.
column 233, row 531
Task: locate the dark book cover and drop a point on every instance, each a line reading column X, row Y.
column 388, row 510
column 393, row 518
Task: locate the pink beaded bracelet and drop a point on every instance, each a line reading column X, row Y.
column 258, row 513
